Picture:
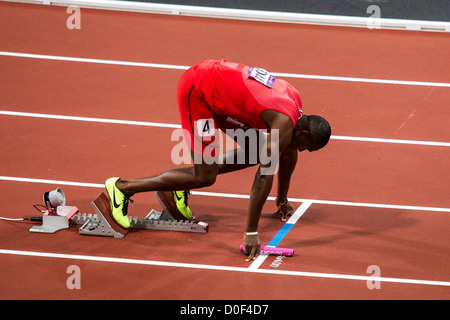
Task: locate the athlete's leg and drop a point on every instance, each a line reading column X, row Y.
column 228, row 161
column 197, row 176
column 245, row 155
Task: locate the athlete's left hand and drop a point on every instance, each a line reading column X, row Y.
column 286, row 210
column 252, row 246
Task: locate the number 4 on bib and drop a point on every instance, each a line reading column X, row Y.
column 205, row 127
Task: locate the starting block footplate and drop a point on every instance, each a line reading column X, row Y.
column 102, row 224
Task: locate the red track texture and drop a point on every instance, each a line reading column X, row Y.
column 329, row 239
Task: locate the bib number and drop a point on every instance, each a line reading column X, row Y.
column 205, row 127
column 262, row 76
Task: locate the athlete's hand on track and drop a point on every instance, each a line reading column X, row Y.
column 285, row 211
column 252, row 246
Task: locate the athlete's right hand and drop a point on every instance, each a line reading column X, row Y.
column 286, row 210
column 252, row 245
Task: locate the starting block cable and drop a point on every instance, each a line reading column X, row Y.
column 20, row 219
column 34, row 219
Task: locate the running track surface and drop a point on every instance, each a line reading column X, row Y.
column 334, row 243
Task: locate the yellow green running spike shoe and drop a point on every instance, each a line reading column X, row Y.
column 119, row 203
column 181, row 200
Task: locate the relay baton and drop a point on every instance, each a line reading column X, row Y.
column 274, row 251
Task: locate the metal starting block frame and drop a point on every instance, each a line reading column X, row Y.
column 102, row 224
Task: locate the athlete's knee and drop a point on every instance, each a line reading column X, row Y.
column 205, row 174
column 206, row 180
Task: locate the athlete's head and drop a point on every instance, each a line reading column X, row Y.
column 311, row 133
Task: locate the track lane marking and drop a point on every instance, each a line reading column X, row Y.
column 179, row 67
column 221, row 268
column 176, row 126
column 238, row 196
column 282, row 233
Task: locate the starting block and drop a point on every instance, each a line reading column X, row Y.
column 102, row 224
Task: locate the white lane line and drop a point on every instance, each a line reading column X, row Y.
column 221, row 268
column 178, row 67
column 99, row 61
column 88, row 119
column 176, row 126
column 299, row 212
column 278, row 237
column 237, row 196
column 398, row 141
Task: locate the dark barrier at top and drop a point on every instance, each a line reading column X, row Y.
column 432, row 10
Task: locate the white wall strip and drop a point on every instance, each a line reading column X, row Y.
column 257, row 15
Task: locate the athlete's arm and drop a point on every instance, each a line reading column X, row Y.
column 288, row 161
column 277, row 141
column 258, row 196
